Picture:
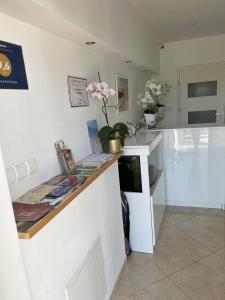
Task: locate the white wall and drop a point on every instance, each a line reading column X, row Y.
column 31, row 121
column 186, row 53
column 13, row 281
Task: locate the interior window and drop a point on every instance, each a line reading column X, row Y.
column 205, row 116
column 202, row 89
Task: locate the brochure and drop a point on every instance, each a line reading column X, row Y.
column 30, row 212
column 35, row 195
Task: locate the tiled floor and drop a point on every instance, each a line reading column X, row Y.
column 188, row 263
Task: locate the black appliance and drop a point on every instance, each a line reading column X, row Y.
column 130, row 174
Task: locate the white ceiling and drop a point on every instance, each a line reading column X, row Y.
column 174, row 20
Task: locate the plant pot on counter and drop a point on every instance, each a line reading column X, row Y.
column 112, row 146
column 150, row 120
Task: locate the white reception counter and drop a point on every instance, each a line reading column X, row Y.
column 194, row 164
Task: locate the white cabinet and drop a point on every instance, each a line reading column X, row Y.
column 146, row 207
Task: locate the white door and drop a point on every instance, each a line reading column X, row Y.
column 202, row 95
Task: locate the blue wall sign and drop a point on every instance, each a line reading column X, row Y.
column 12, row 68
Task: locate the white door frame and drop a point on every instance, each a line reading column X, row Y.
column 179, row 69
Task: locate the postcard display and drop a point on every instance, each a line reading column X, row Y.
column 66, row 158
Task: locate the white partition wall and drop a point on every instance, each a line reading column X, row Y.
column 59, row 251
column 13, row 281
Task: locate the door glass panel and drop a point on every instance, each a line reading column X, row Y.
column 198, row 117
column 202, row 89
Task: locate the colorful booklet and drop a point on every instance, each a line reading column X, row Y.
column 86, row 172
column 35, row 195
column 70, row 183
column 66, row 158
column 55, row 180
column 30, row 212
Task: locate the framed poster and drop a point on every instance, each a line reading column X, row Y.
column 122, row 92
column 12, row 68
column 77, row 91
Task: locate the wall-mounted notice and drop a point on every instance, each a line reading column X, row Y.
column 12, row 68
column 77, row 91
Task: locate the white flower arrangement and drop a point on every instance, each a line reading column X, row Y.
column 150, row 97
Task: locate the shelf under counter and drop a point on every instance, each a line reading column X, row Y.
column 47, row 218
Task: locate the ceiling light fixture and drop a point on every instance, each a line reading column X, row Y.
column 128, row 61
column 90, row 43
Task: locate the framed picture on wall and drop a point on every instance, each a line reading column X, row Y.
column 122, row 92
column 77, row 91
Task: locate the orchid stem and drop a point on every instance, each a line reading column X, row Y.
column 105, row 101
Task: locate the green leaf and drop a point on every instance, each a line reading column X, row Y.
column 105, row 134
column 121, row 128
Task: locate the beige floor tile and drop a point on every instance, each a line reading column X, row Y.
column 197, row 211
column 165, row 224
column 162, row 290
column 186, row 237
column 139, row 273
column 175, row 250
column 174, row 218
column 208, row 230
column 221, row 253
column 204, row 280
column 211, row 212
column 136, row 261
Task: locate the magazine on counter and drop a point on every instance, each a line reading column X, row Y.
column 30, row 212
column 36, row 194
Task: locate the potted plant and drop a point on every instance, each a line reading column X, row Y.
column 112, row 138
column 149, row 100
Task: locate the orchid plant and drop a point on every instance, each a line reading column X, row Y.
column 149, row 99
column 101, row 91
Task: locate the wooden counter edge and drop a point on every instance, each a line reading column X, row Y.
column 37, row 227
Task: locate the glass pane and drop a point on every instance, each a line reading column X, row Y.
column 198, row 117
column 202, row 89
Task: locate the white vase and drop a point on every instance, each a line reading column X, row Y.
column 150, row 120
